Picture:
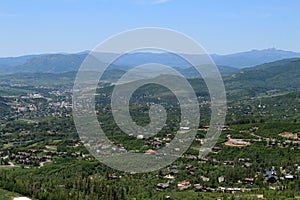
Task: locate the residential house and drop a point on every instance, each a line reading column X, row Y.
column 183, row 185
column 270, row 176
column 249, row 181
column 162, row 186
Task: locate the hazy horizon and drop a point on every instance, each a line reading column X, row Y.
column 37, row 27
column 87, row 51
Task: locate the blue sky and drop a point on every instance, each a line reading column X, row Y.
column 220, row 26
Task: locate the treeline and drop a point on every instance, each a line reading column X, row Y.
column 64, row 182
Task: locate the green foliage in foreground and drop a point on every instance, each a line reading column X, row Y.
column 7, row 195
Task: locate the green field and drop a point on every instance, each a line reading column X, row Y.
column 6, row 195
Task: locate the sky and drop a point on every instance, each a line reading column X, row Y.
column 220, row 26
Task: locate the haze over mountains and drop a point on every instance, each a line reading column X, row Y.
column 253, row 57
column 60, row 63
column 281, row 75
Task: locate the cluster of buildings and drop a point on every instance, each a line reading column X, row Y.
column 27, row 158
column 37, row 105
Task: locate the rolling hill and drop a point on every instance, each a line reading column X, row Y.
column 253, row 58
column 60, row 63
column 283, row 75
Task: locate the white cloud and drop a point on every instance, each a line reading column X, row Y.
column 160, row 1
column 151, row 2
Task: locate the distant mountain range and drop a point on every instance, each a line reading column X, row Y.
column 283, row 75
column 270, row 78
column 253, row 58
column 60, row 63
column 52, row 63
